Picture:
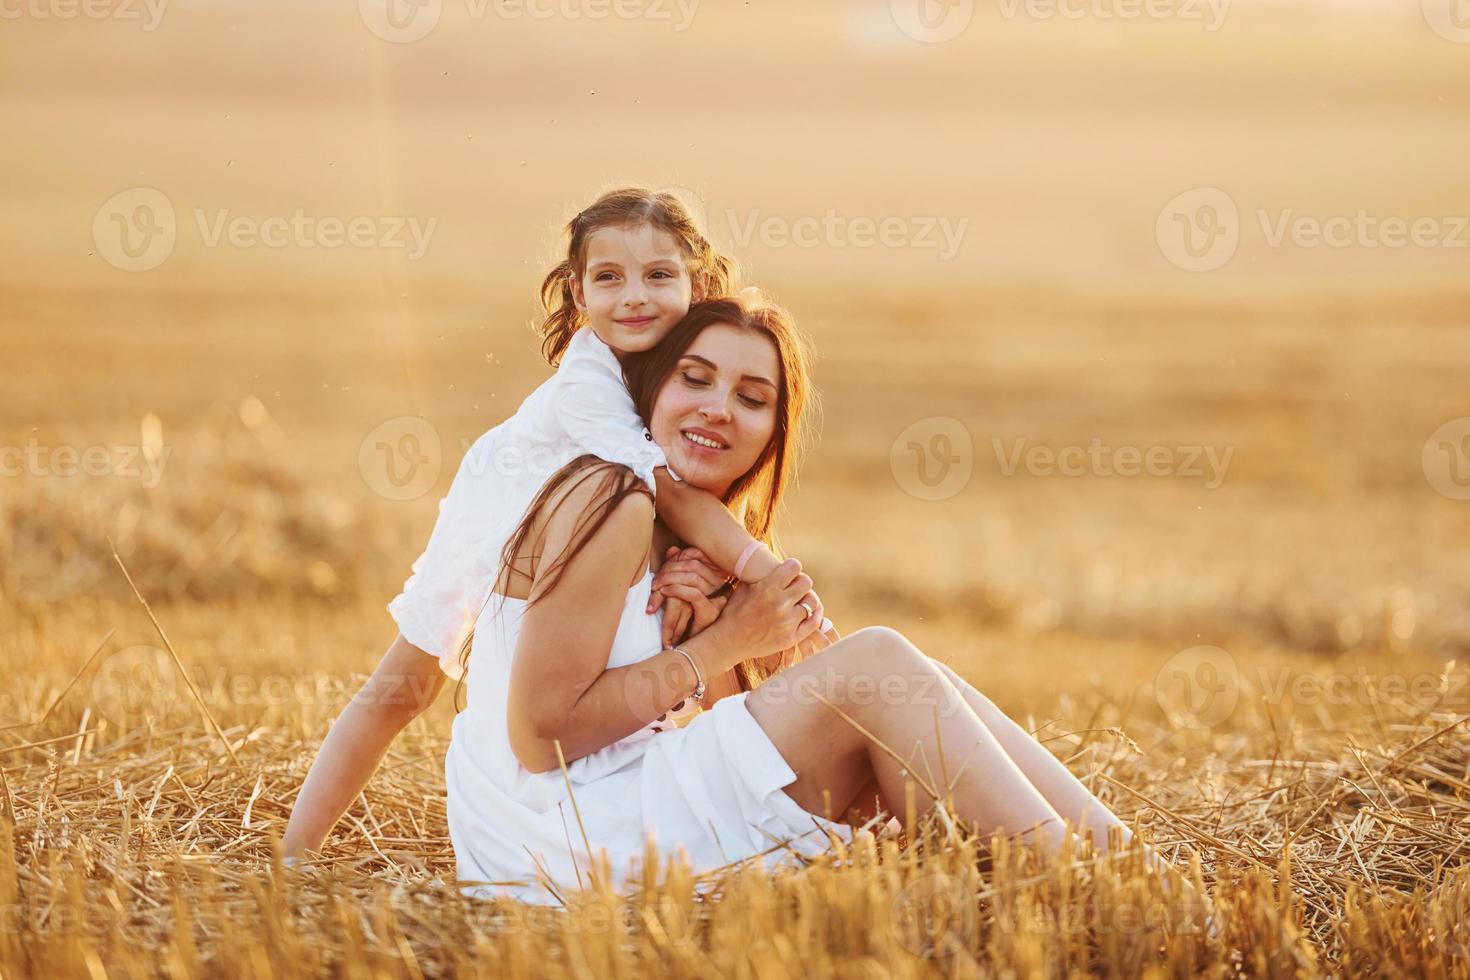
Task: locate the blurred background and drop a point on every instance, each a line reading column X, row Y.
column 1140, row 325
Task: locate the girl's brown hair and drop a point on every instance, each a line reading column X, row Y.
column 711, row 270
column 755, row 496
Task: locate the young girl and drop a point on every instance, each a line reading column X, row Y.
column 635, row 261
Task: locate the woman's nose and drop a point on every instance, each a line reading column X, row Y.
column 716, row 407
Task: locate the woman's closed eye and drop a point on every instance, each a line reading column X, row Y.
column 694, row 382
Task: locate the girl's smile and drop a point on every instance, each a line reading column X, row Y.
column 636, row 286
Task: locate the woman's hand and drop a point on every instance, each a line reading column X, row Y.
column 763, row 618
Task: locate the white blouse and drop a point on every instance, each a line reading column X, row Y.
column 583, row 408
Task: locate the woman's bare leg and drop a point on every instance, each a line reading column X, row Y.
column 1064, row 791
column 884, row 684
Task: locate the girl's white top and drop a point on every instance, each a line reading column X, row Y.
column 583, row 408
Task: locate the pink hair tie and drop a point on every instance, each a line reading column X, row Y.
column 744, row 558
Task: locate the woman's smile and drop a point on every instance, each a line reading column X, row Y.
column 705, row 439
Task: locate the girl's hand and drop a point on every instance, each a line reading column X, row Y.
column 678, row 614
column 703, row 610
column 819, row 640
column 689, row 567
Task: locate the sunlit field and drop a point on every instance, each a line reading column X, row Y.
column 1207, row 533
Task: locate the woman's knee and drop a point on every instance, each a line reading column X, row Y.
column 880, row 666
column 879, row 645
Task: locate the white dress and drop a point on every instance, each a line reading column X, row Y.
column 712, row 787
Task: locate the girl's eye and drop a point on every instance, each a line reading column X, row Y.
column 606, row 276
column 663, row 273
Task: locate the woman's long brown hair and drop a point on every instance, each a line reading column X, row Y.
column 755, row 495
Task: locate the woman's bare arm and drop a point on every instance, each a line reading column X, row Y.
column 406, row 681
column 561, row 689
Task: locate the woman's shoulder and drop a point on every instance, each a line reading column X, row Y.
column 590, row 487
column 601, row 507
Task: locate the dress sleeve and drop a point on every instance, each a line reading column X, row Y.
column 596, row 412
column 450, row 581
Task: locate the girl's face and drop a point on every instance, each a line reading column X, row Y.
column 635, row 287
column 716, row 413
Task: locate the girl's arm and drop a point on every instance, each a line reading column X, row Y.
column 594, row 409
column 596, row 412
column 406, row 681
column 701, row 519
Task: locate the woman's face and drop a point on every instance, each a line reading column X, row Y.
column 716, row 413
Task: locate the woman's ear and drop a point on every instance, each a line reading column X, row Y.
column 696, row 293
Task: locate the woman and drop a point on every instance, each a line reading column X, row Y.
column 565, row 746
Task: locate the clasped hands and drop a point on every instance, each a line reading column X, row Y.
column 692, row 592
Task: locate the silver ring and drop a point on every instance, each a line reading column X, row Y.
column 810, row 612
